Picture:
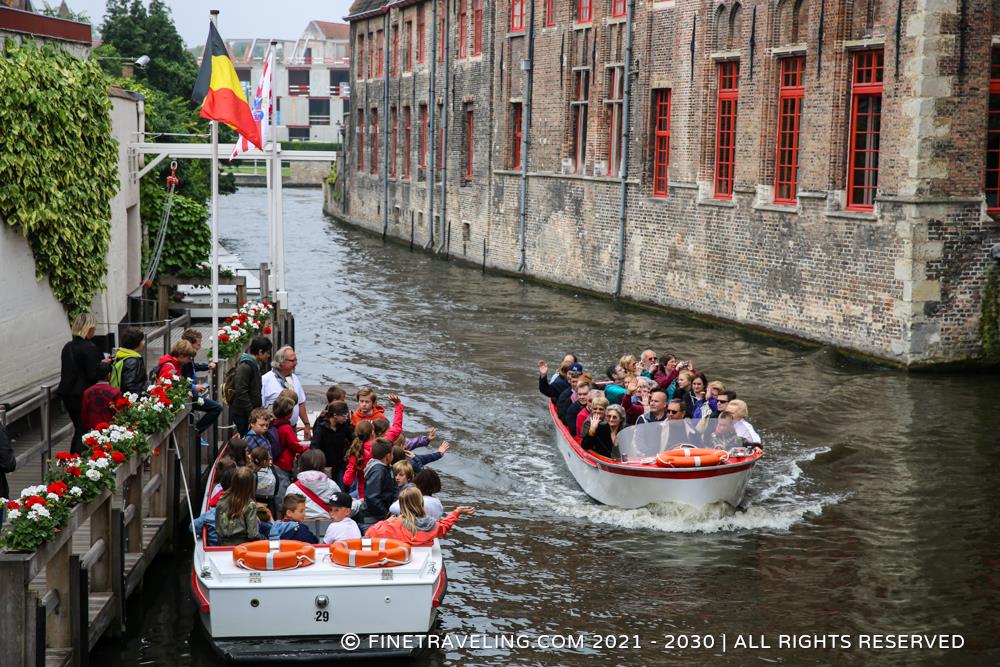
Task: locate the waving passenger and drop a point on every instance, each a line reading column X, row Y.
column 597, row 404
column 552, row 388
column 413, row 525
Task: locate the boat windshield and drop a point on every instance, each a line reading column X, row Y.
column 647, row 440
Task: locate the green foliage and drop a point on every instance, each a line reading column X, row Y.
column 989, row 325
column 58, row 166
column 189, row 238
column 332, row 182
column 310, row 146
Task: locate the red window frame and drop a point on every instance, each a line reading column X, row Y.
column 360, row 131
column 393, row 157
column 440, row 145
column 379, row 54
column 725, row 128
column 618, row 8
column 550, row 13
column 477, row 27
column 791, row 90
column 469, row 134
column 516, row 135
column 584, row 11
column 992, row 184
column 517, row 16
column 615, row 105
column 371, row 55
column 395, row 49
column 421, row 33
column 408, row 44
column 361, row 59
column 866, row 126
column 661, row 142
column 375, row 142
column 406, row 142
column 463, row 28
column 423, row 137
column 579, row 110
column 442, row 28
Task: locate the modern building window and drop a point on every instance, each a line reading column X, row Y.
column 477, row 27
column 725, row 135
column 298, row 82
column 617, row 9
column 375, row 141
column 790, row 93
column 298, row 134
column 463, row 27
column 421, row 33
column 661, row 141
column 517, row 15
column 393, row 130
column 423, row 136
column 613, row 105
column 993, row 137
column 866, row 124
column 406, row 142
column 550, row 13
column 380, row 54
column 515, row 135
column 584, row 11
column 408, row 45
column 340, row 83
column 469, row 142
column 360, row 132
column 578, row 114
column 319, row 111
column 395, row 50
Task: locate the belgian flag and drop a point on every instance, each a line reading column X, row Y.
column 219, row 92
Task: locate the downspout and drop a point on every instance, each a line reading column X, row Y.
column 385, row 124
column 626, row 138
column 442, row 235
column 431, row 165
column 529, row 67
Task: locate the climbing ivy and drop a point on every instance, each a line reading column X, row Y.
column 188, row 243
column 989, row 327
column 58, row 166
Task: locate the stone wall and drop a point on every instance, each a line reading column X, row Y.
column 901, row 281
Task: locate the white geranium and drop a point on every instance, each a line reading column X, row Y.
column 39, row 510
column 52, row 496
column 100, row 463
column 76, row 491
column 93, row 474
column 14, row 514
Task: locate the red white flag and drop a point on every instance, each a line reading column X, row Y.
column 260, row 107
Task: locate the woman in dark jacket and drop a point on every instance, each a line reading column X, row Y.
column 8, row 462
column 80, row 360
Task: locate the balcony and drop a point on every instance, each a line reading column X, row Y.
column 298, row 90
column 342, row 91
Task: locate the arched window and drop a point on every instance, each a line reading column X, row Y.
column 799, row 28
column 866, row 15
column 720, row 29
column 735, row 27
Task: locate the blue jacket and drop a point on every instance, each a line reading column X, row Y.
column 291, row 530
column 420, row 460
column 380, row 491
column 207, row 519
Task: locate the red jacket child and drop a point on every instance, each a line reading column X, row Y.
column 290, row 445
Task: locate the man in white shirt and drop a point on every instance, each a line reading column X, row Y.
column 282, row 376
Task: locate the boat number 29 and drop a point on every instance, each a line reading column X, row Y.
column 322, row 616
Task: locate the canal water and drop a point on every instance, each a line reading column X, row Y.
column 875, row 510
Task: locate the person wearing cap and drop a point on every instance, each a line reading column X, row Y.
column 343, row 527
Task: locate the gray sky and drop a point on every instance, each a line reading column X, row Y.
column 237, row 18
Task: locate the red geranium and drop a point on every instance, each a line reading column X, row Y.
column 98, row 454
column 102, row 426
column 74, row 470
column 117, row 457
column 32, row 501
column 122, row 404
column 57, row 488
column 156, row 451
column 266, row 304
column 267, row 329
column 13, row 505
column 223, row 338
column 64, row 456
column 91, row 441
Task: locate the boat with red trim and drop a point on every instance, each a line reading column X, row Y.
column 280, row 600
column 642, row 471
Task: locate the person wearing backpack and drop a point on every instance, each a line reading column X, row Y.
column 244, row 379
column 128, row 373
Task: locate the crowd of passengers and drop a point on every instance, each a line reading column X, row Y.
column 357, row 475
column 641, row 391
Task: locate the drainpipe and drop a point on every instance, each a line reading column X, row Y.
column 626, row 137
column 431, row 123
column 529, row 67
column 385, row 124
column 442, row 236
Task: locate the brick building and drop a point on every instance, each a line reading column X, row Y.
column 824, row 169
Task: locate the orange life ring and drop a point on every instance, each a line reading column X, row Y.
column 370, row 552
column 274, row 555
column 689, row 457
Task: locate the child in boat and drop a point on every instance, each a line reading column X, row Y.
column 236, row 514
column 288, row 442
column 293, row 513
column 418, row 461
column 313, row 483
column 403, row 472
column 267, row 483
column 261, row 434
column 343, row 527
column 357, row 457
column 237, row 451
column 413, row 525
column 224, row 471
column 429, row 483
column 368, row 408
column 381, row 489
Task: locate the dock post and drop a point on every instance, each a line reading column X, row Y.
column 46, row 416
column 162, row 303
column 17, row 617
column 116, row 547
column 100, row 529
column 79, row 598
column 59, row 577
column 133, row 530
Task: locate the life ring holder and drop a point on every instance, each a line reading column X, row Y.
column 270, row 555
column 369, row 552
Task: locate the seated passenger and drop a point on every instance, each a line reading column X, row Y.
column 665, row 372
column 630, row 365
column 679, row 431
column 343, row 527
column 429, row 483
column 655, row 408
column 267, row 483
column 596, row 404
column 207, row 520
column 289, row 527
column 261, row 434
column 236, row 514
column 368, row 407
column 380, row 487
column 582, row 397
column 357, row 457
column 714, row 389
column 288, row 442
column 699, row 396
column 413, row 525
column 418, row 441
column 552, row 388
column 573, row 375
column 724, row 436
column 403, row 473
column 601, row 430
column 647, row 363
column 418, row 461
column 225, row 468
column 313, row 483
column 744, row 430
column 615, row 389
column 332, row 435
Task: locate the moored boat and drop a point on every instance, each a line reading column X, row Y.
column 639, row 474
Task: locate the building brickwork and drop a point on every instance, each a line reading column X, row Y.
column 817, row 169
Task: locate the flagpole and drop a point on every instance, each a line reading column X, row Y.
column 214, row 18
column 272, row 189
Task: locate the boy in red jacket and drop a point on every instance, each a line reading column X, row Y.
column 288, row 443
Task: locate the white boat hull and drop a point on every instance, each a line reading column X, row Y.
column 630, row 486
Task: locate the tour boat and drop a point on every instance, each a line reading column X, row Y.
column 642, row 474
column 316, row 610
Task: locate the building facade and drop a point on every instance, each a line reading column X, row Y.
column 825, row 170
column 311, row 84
